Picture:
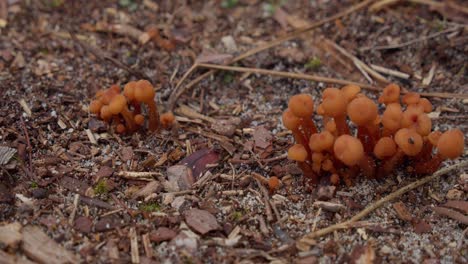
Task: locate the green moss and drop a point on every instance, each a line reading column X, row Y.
column 236, row 215
column 228, row 78
column 150, row 207
column 34, row 185
column 229, row 3
column 314, row 63
column 101, row 187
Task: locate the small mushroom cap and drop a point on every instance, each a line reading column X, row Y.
column 414, row 118
column 167, row 119
column 117, row 104
column 95, row 106
column 290, row 121
column 362, row 111
column 391, row 118
column 105, row 112
column 120, row 128
column 390, row 94
column 297, row 153
column 129, row 90
column 321, row 141
column 350, row 91
column 327, row 165
column 301, row 105
column 139, row 119
column 317, row 157
column 411, row 98
column 409, row 141
column 106, row 96
column 335, row 179
column 385, row 148
column 273, row 183
column 144, row 91
column 348, row 149
column 434, row 137
column 451, row 144
column 334, row 102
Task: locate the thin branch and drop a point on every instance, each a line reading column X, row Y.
column 317, row 78
column 383, row 201
column 176, row 93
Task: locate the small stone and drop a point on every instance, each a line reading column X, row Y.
column 325, row 193
column 96, row 125
column 162, row 234
column 201, row 221
column 454, row 194
column 39, row 193
column 385, row 250
column 229, row 43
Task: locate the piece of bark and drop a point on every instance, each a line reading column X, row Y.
column 150, row 187
column 162, row 234
column 328, row 206
column 41, row 248
column 452, row 214
column 402, row 212
column 201, row 221
column 10, row 235
column 459, row 205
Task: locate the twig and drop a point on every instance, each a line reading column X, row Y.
column 266, row 201
column 382, row 201
column 292, row 75
column 76, row 200
column 134, row 245
column 411, row 42
column 390, row 71
column 98, row 53
column 136, row 175
column 322, row 79
column 176, row 93
column 358, row 62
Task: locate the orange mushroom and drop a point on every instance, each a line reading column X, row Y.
column 334, row 105
column 302, row 106
column 299, row 153
column 391, row 119
column 385, row 148
column 350, row 151
column 167, row 119
column 416, row 119
column 363, row 112
column 118, row 105
column 391, row 94
column 144, row 92
column 450, row 145
column 350, row 91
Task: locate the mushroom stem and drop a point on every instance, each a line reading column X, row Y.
column 341, row 126
column 308, row 127
column 429, row 166
column 129, row 121
column 153, row 116
column 390, row 164
column 308, row 172
column 367, row 166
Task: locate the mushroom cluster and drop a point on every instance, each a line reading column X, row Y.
column 123, row 109
column 401, row 135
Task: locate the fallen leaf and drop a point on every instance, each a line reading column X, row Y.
column 420, row 226
column 201, row 221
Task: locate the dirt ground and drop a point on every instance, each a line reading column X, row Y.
column 72, row 190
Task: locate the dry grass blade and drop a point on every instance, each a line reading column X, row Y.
column 383, row 201
column 176, row 93
column 317, row 78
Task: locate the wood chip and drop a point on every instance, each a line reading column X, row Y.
column 39, row 247
column 201, row 221
column 25, row 107
column 402, row 212
column 329, row 206
column 452, row 214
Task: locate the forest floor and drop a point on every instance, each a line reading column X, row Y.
column 66, row 194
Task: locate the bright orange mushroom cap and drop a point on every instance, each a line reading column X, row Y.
column 301, row 105
column 350, row 91
column 167, row 119
column 348, row 149
column 391, row 118
column 105, row 112
column 144, row 91
column 390, row 94
column 321, row 141
column 411, row 98
column 385, row 148
column 297, row 153
column 434, row 137
column 117, row 104
column 451, row 143
column 413, row 118
column 409, row 141
column 129, row 90
column 290, row 121
column 334, row 102
column 362, row 111
column 95, row 106
column 139, row 119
